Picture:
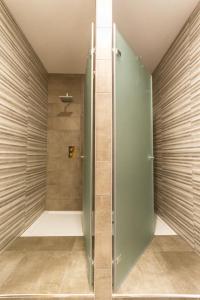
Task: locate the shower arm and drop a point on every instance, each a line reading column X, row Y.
column 66, row 107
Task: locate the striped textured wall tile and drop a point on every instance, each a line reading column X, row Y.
column 13, row 128
column 37, row 140
column 22, row 152
column 176, row 141
column 195, row 120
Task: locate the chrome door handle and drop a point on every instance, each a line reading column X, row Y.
column 82, row 156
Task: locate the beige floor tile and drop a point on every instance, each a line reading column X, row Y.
column 44, row 243
column 44, row 265
column 168, row 266
column 173, row 243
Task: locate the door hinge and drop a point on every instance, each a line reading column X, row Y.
column 117, row 52
column 117, row 260
column 91, row 260
column 150, row 157
column 92, row 51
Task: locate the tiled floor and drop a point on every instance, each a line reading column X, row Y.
column 57, row 265
column 44, row 265
column 168, row 266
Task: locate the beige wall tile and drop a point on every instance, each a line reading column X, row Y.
column 103, row 227
column 64, row 173
column 104, row 145
column 71, row 191
column 103, row 178
column 103, row 103
column 103, row 150
column 103, row 214
column 64, row 123
column 104, row 127
column 53, row 195
column 104, row 74
column 103, row 244
column 52, row 177
column 66, row 204
column 103, row 284
column 54, row 163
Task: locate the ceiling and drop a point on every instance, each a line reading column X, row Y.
column 150, row 26
column 59, row 30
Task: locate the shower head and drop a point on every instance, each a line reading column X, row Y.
column 66, row 99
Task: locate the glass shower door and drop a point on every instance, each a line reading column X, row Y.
column 88, row 160
column 133, row 159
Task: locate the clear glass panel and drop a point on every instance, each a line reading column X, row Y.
column 133, row 164
column 88, row 164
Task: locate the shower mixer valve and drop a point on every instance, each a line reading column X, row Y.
column 71, row 151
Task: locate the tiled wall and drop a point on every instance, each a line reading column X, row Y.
column 103, row 151
column 64, row 174
column 23, row 131
column 176, row 85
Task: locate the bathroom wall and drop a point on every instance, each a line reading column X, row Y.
column 23, row 131
column 176, row 85
column 64, row 173
column 103, row 152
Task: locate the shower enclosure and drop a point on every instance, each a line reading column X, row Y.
column 132, row 157
column 88, row 160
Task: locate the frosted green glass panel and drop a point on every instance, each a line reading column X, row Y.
column 88, row 165
column 133, row 164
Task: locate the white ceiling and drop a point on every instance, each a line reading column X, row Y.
column 150, row 26
column 59, row 30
